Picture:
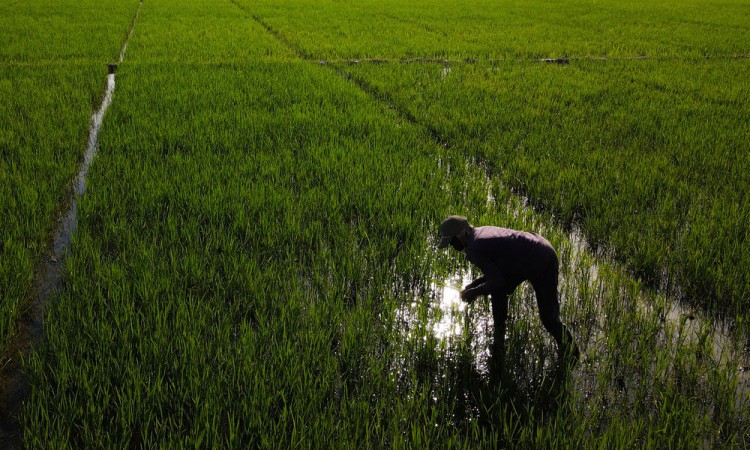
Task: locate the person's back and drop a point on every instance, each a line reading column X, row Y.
column 515, row 253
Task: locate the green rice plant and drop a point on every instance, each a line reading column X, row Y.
column 667, row 133
column 238, row 285
column 507, row 30
column 255, row 267
column 53, row 59
column 201, row 32
column 39, row 33
column 240, row 190
column 646, row 157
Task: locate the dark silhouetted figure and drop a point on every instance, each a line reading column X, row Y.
column 507, row 258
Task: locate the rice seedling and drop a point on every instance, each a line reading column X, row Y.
column 648, row 158
column 507, row 30
column 255, row 266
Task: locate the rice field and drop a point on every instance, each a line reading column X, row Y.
column 52, row 67
column 254, row 261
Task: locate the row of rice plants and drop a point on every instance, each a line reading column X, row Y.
column 649, row 158
column 669, row 134
column 503, row 29
column 218, row 194
column 236, row 284
column 53, row 59
column 39, row 33
column 250, row 233
column 236, row 269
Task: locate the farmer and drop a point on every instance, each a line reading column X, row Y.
column 507, row 258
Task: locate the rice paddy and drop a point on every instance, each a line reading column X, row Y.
column 254, row 260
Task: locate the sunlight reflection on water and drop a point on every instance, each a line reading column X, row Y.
column 440, row 313
column 444, row 314
column 448, row 300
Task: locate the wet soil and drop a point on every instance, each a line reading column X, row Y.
column 29, row 326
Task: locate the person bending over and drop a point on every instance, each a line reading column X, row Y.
column 507, row 258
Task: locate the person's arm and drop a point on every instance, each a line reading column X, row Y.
column 469, row 293
column 476, row 282
column 492, row 281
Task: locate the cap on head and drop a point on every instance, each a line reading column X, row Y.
column 452, row 226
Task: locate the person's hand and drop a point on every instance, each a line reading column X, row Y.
column 475, row 283
column 469, row 295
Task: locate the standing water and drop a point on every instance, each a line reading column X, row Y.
column 30, row 326
column 440, row 313
column 596, row 298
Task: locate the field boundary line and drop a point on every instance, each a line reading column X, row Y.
column 381, row 97
column 270, row 30
column 124, row 46
column 388, row 60
column 558, row 60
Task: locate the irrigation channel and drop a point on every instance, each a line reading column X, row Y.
column 443, row 314
column 29, row 327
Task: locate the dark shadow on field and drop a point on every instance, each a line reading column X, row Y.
column 499, row 400
column 529, row 388
column 528, row 391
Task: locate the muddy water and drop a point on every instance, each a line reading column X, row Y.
column 30, row 326
column 589, row 283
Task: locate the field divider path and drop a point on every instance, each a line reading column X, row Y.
column 417, row 59
column 557, row 60
column 124, row 47
column 678, row 318
column 361, row 86
column 29, row 326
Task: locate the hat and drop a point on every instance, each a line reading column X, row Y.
column 450, row 227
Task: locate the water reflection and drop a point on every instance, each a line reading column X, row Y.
column 637, row 345
column 451, row 308
column 446, row 346
column 439, row 312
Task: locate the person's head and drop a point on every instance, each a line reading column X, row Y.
column 454, row 231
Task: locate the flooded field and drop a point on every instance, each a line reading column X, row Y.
column 245, row 255
column 638, row 337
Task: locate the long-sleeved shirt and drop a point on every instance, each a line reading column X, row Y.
column 507, row 257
